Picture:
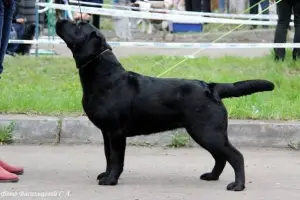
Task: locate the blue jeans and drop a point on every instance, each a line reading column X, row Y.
column 19, row 28
column 6, row 16
column 265, row 6
column 222, row 5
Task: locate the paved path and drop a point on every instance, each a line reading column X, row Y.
column 253, row 36
column 237, row 36
column 62, row 50
column 150, row 174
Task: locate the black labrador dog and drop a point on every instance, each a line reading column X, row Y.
column 123, row 104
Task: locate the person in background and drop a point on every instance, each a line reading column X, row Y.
column 18, row 23
column 254, row 9
column 7, row 173
column 284, row 12
column 86, row 16
column 7, row 8
column 198, row 5
column 122, row 25
column 96, row 18
column 222, row 6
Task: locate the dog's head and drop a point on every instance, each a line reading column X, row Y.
column 83, row 39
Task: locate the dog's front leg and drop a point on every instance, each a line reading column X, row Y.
column 117, row 153
column 107, row 156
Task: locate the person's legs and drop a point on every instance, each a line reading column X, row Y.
column 206, row 6
column 1, row 27
column 222, row 6
column 6, row 171
column 265, row 10
column 253, row 9
column 265, row 7
column 6, row 13
column 253, row 6
column 95, row 18
column 197, row 5
column 122, row 24
column 96, row 21
column 19, row 28
column 296, row 8
column 188, row 5
column 284, row 12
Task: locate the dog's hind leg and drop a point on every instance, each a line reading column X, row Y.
column 220, row 163
column 212, row 136
column 117, row 153
column 236, row 160
column 107, row 156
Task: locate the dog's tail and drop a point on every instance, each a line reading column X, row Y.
column 241, row 88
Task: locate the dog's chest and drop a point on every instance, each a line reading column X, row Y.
column 107, row 111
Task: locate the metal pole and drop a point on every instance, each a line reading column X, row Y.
column 36, row 28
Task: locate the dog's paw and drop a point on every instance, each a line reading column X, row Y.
column 209, row 177
column 107, row 181
column 102, row 175
column 236, row 186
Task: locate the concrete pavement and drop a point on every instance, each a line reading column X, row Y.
column 150, row 174
column 122, row 52
column 80, row 130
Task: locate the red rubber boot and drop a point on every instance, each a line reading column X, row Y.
column 11, row 169
column 6, row 176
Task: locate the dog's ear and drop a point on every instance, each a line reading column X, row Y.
column 93, row 35
column 97, row 35
column 103, row 43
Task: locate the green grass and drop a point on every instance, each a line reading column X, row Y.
column 5, row 134
column 216, row 28
column 50, row 86
column 106, row 23
column 179, row 140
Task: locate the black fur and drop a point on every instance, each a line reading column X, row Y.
column 241, row 88
column 124, row 104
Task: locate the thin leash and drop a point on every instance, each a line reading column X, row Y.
column 79, row 4
column 94, row 58
column 216, row 28
column 182, row 61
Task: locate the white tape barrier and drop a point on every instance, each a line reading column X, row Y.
column 175, row 45
column 218, row 15
column 46, row 8
column 158, row 16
